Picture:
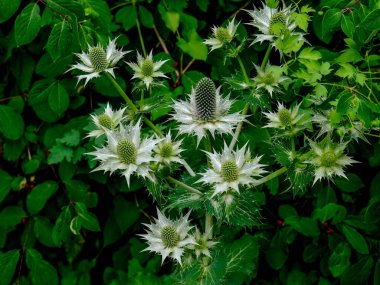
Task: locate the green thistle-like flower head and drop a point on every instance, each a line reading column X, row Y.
column 147, row 68
column 205, row 99
column 166, row 149
column 105, row 121
column 328, row 159
column 126, row 151
column 229, row 171
column 223, row 35
column 169, row 236
column 98, row 58
column 277, row 23
column 285, row 117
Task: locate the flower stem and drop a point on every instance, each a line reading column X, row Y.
column 271, row 176
column 133, row 107
column 266, row 57
column 208, row 225
column 207, row 145
column 243, row 69
column 183, row 185
column 141, row 37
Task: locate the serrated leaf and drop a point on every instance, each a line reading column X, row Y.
column 355, row 239
column 58, row 153
column 11, row 123
column 71, row 138
column 310, row 54
column 37, row 199
column 59, row 41
column 8, row 263
column 27, row 24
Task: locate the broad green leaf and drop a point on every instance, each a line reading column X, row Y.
column 100, row 12
column 41, row 271
column 332, row 211
column 194, row 46
column 276, row 256
column 30, row 166
column 146, row 17
column 371, row 21
column 305, row 226
column 355, row 239
column 376, row 276
column 339, row 260
column 59, row 152
column 5, row 184
column 127, row 16
column 351, row 184
column 43, row 230
column 330, row 22
column 171, row 20
column 8, row 8
column 344, row 102
column 37, row 199
column 27, row 24
column 11, row 216
column 358, row 273
column 11, row 123
column 126, row 213
column 310, row 54
column 8, row 263
column 286, row 211
column 347, row 26
column 87, row 219
column 59, row 41
column 58, row 98
column 61, row 230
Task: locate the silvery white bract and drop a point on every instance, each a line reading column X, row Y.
column 230, row 169
column 169, row 238
column 203, row 243
column 283, row 118
column 269, row 78
column 107, row 121
column 146, row 69
column 222, row 36
column 328, row 159
column 271, row 23
column 97, row 60
column 186, row 113
column 168, row 151
column 126, row 153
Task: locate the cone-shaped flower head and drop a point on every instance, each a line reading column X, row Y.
column 109, row 120
column 97, row 60
column 146, row 69
column 272, row 23
column 207, row 111
column 328, row 159
column 126, row 153
column 269, row 78
column 169, row 238
column 230, row 169
column 284, row 118
column 203, row 243
column 221, row 35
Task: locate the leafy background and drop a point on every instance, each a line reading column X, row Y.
column 62, row 224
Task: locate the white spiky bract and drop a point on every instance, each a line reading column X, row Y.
column 269, row 78
column 328, row 159
column 168, row 151
column 222, row 36
column 126, row 153
column 203, row 243
column 284, row 117
column 185, row 112
column 146, row 69
column 230, row 169
column 169, row 238
column 265, row 18
column 98, row 60
column 109, row 120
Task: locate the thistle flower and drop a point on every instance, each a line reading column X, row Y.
column 168, row 238
column 206, row 111
column 272, row 23
column 168, row 151
column 109, row 120
column 126, row 153
column 146, row 69
column 284, row 118
column 221, row 35
column 203, row 243
column 230, row 169
column 328, row 159
column 269, row 79
column 98, row 60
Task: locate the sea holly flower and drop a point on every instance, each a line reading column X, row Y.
column 328, row 159
column 230, row 169
column 126, row 153
column 203, row 243
column 98, row 60
column 168, row 151
column 107, row 121
column 207, row 111
column 146, row 69
column 222, row 36
column 169, row 238
column 284, row 118
column 272, row 23
column 269, row 78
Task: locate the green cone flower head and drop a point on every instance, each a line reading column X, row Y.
column 269, row 78
column 328, row 159
column 109, row 120
column 146, row 69
column 169, row 238
column 284, row 118
column 221, row 35
column 126, row 153
column 230, row 169
column 205, row 112
column 98, row 60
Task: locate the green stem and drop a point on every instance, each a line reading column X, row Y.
column 183, row 185
column 271, row 176
column 293, row 146
column 207, row 145
column 246, row 78
column 142, row 100
column 140, row 37
column 266, row 57
column 208, row 225
column 239, row 127
column 150, row 124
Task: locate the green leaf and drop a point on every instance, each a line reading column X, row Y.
column 100, row 12
column 358, row 273
column 127, row 16
column 339, row 260
column 59, row 41
column 146, row 17
column 43, row 230
column 332, row 211
column 37, row 199
column 351, row 184
column 87, row 219
column 348, row 26
column 11, row 123
column 286, row 211
column 310, row 54
column 58, row 153
column 8, row 263
column 5, row 184
column 58, row 98
column 276, row 256
column 344, row 102
column 61, row 230
column 330, row 22
column 27, row 24
column 126, row 213
column 41, row 271
column 11, row 216
column 355, row 239
column 371, row 21
column 302, row 21
column 194, row 46
column 71, row 138
column 30, row 166
column 171, row 20
column 305, row 226
column 8, row 8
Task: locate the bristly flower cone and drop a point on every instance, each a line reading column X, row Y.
column 205, row 99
